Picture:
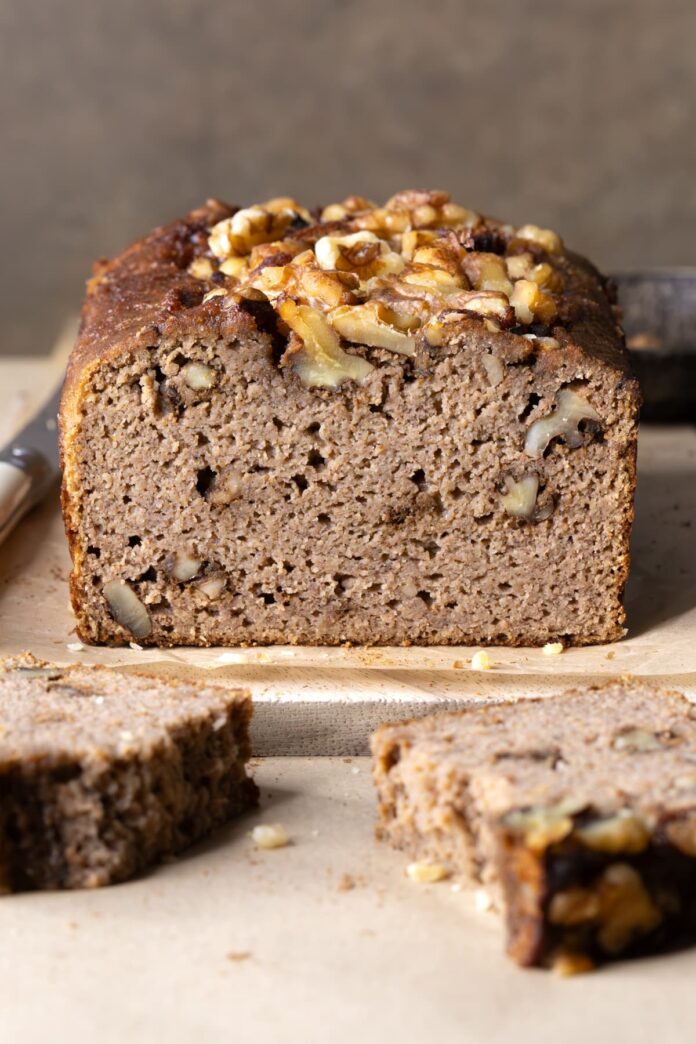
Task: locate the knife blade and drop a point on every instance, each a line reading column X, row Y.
column 29, row 465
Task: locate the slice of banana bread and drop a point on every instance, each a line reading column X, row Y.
column 391, row 425
column 577, row 812
column 103, row 774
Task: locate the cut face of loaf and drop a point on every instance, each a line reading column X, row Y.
column 102, row 774
column 577, row 812
column 406, row 424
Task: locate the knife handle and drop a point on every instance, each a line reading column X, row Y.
column 24, row 478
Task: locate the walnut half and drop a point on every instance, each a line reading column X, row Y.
column 564, row 423
column 520, row 498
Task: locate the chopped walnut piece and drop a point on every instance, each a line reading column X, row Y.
column 624, row 832
column 201, row 268
column 212, row 587
column 544, row 825
column 127, row 609
column 639, row 741
column 350, row 205
column 247, row 228
column 570, row 411
column 237, row 267
column 361, row 252
column 184, row 566
column 371, row 324
column 519, row 266
column 487, row 272
column 495, row 370
column 320, row 361
column 532, row 304
column 414, row 239
column 519, row 499
column 543, row 237
column 574, row 906
column 626, row 908
column 681, row 831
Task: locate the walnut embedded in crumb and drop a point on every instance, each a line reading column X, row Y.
column 563, row 422
column 426, row 873
column 553, row 649
column 270, row 835
column 127, row 609
column 481, row 661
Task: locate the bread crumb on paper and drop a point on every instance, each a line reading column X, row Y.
column 481, row 661
column 270, row 835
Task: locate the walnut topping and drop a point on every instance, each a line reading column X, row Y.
column 543, row 825
column 544, row 237
column 362, row 252
column 681, row 832
column 626, row 908
column 372, row 324
column 201, row 268
column 319, row 360
column 564, row 423
column 247, row 228
column 531, row 303
column 574, row 906
column 625, row 832
column 617, row 905
column 488, row 272
column 237, row 267
column 419, row 266
column 127, row 609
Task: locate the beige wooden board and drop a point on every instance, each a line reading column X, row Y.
column 319, row 700
column 229, row 944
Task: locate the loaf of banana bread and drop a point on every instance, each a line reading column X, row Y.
column 576, row 812
column 103, row 774
column 391, row 425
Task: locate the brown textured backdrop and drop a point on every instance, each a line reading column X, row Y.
column 117, row 116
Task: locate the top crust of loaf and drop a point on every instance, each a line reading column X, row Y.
column 159, row 288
